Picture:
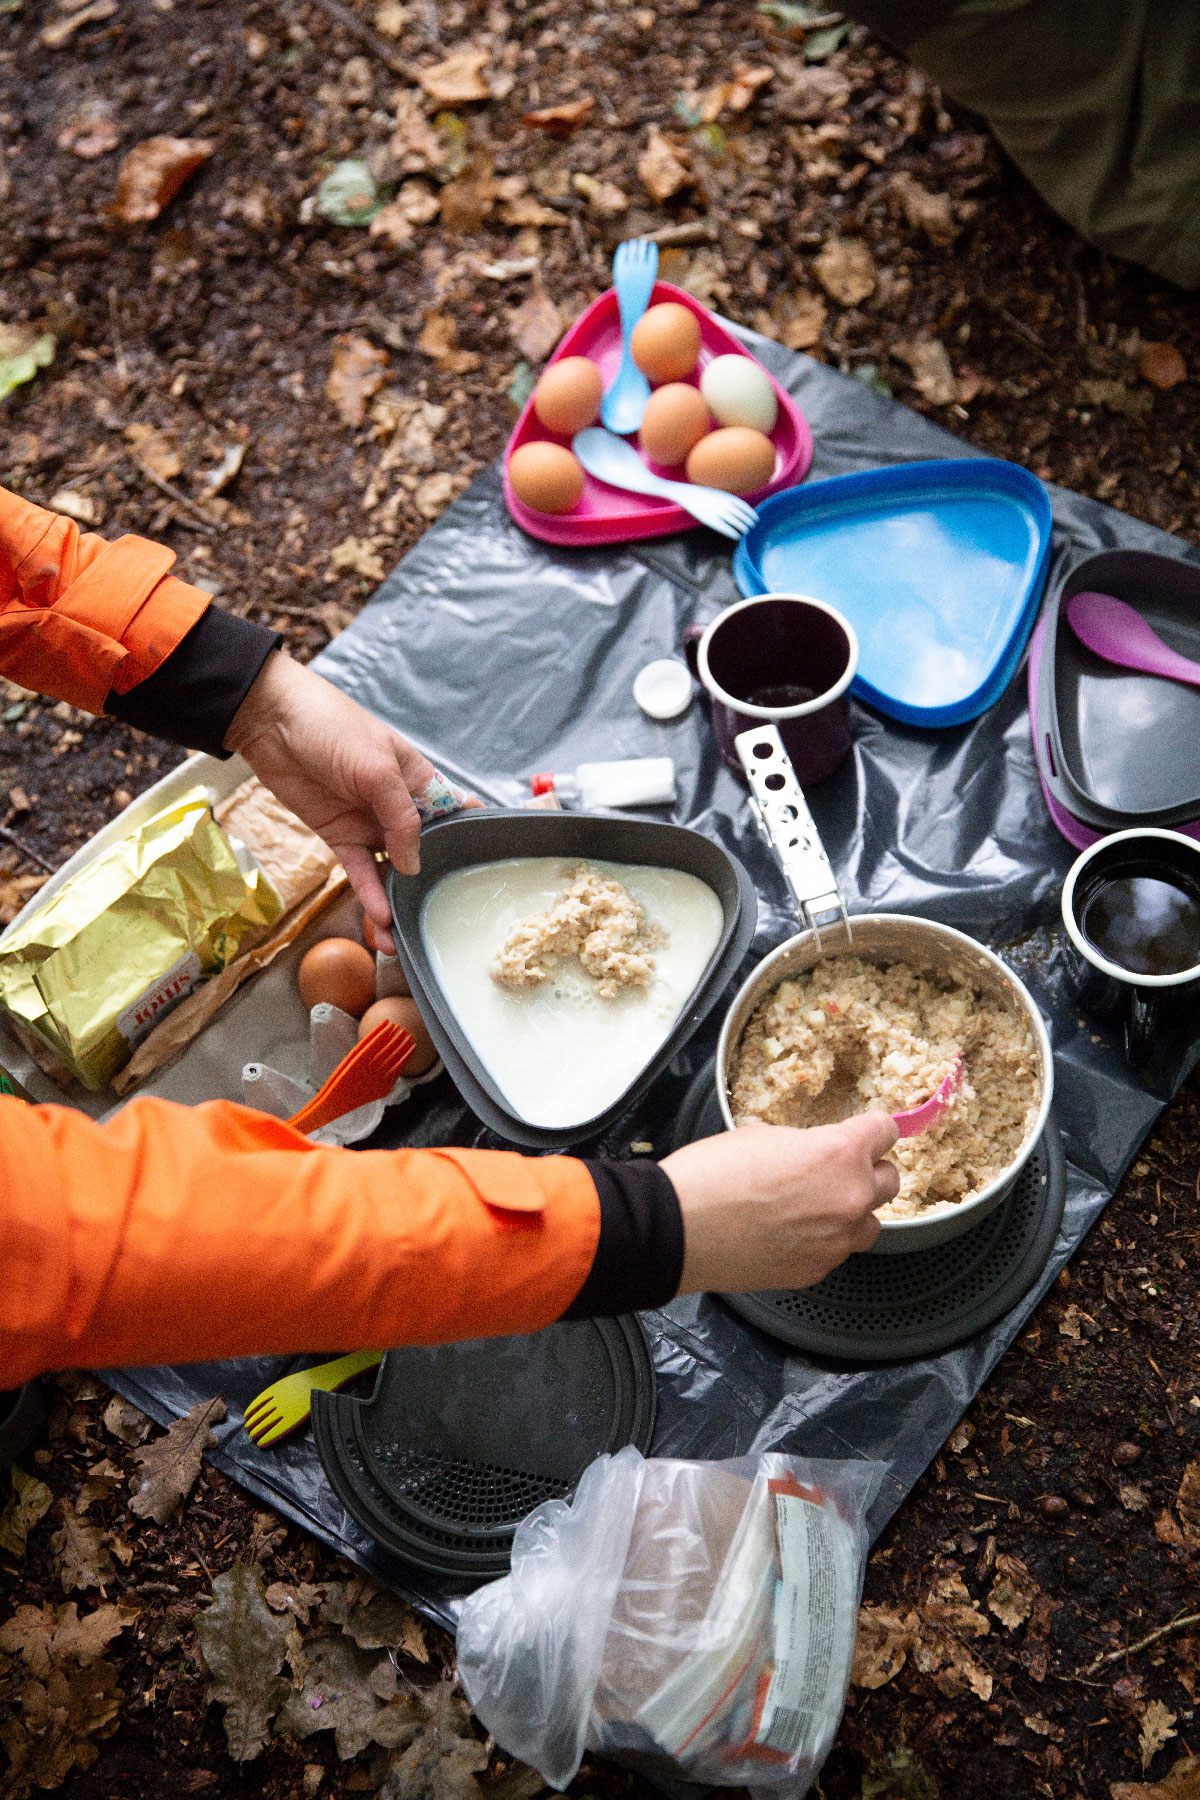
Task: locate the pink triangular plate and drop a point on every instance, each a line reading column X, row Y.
column 607, row 515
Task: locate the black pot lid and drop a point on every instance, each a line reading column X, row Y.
column 495, row 836
column 459, row 1442
column 1121, row 739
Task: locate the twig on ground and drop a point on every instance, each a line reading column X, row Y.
column 181, row 500
column 368, row 38
column 26, row 850
column 1163, row 1631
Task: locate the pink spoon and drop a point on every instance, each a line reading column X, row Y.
column 1120, row 635
column 919, row 1118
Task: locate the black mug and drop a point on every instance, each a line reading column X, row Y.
column 1131, row 906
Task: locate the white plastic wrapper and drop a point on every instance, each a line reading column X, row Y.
column 695, row 1620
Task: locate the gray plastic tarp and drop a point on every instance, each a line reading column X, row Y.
column 502, row 656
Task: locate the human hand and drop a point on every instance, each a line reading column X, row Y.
column 340, row 769
column 767, row 1206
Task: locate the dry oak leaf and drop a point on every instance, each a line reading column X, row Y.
column 59, row 1718
column 883, row 1642
column 846, row 270
column 561, row 121
column 1157, row 1728
column 605, row 199
column 357, row 372
column 351, row 1692
column 465, row 204
column 415, row 204
column 931, row 213
column 458, row 79
column 414, row 145
column 662, row 169
column 432, row 496
column 298, row 1601
column 90, row 132
column 1013, row 1592
column 1187, row 1499
column 439, row 339
column 536, row 324
column 154, row 450
column 244, row 1646
column 171, row 1463
column 357, row 556
column 796, row 320
column 31, row 1500
column 934, row 380
column 81, row 1553
column 81, row 1640
column 126, row 1421
column 1161, row 365
column 1181, row 1783
column 523, row 210
column 443, row 1760
column 153, row 173
column 376, row 1620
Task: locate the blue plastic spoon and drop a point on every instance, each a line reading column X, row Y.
column 635, row 268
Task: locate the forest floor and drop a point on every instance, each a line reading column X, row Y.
column 288, row 402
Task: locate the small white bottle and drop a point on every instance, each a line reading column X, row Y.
column 638, row 781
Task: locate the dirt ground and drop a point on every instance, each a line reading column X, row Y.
column 288, row 401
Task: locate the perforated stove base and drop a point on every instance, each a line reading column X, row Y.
column 876, row 1309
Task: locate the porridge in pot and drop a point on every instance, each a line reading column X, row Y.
column 849, row 1035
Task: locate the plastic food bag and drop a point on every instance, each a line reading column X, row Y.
column 692, row 1620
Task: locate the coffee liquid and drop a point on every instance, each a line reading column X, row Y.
column 1147, row 924
column 786, row 693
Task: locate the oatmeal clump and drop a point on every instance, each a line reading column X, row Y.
column 848, row 1035
column 596, row 920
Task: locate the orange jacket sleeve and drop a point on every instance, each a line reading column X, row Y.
column 183, row 1234
column 79, row 616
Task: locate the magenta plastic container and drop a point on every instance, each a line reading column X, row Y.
column 607, row 515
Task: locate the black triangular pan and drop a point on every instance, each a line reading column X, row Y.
column 493, row 836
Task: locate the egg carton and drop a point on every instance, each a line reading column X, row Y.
column 331, row 1034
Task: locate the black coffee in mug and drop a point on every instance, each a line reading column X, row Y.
column 1148, row 923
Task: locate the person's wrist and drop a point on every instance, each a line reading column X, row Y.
column 263, row 703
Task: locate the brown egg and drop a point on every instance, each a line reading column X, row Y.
column 398, row 1011
column 546, row 477
column 567, row 398
column 666, row 342
column 337, row 972
column 735, row 458
column 676, row 417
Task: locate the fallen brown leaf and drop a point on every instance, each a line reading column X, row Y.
column 1162, row 365
column 458, row 79
column 153, row 173
column 1181, row 1783
column 536, row 324
column 809, row 93
column 561, row 121
column 81, row 1554
column 154, row 450
column 846, row 270
column 524, row 210
column 466, row 203
column 1157, row 1729
column 732, row 96
column 1188, row 1498
column 1013, row 1592
column 414, row 146
column 1166, row 1529
column 353, row 1693
column 881, row 1648
column 297, row 1601
column 30, row 1500
column 15, row 890
column 102, row 1479
column 170, row 1465
column 934, row 380
column 357, row 372
column 439, row 339
column 357, row 556
column 244, row 1646
column 442, row 1762
column 415, row 204
column 662, row 168
column 604, row 198
column 931, row 213
column 59, row 1718
column 795, row 320
column 82, row 1640
column 376, row 1620
column 126, row 1421
column 432, row 496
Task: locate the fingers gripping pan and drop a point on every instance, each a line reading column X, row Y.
column 789, row 827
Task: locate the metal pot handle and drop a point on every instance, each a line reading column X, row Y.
column 789, row 828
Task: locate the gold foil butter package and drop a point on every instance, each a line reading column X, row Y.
column 126, row 939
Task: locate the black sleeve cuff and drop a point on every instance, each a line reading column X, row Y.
column 639, row 1258
column 191, row 697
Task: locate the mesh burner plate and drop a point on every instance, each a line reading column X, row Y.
column 877, row 1309
column 457, row 1445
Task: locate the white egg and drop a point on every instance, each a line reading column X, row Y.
column 738, row 392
